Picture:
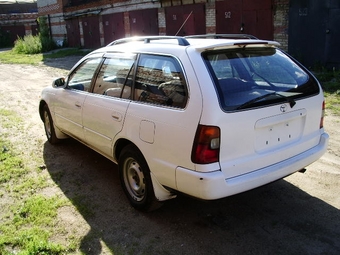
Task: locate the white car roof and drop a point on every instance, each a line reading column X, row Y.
column 200, row 43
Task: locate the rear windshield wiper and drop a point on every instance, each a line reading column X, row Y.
column 287, row 99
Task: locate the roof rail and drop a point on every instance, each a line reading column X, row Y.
column 224, row 36
column 147, row 39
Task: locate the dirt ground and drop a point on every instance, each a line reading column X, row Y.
column 297, row 215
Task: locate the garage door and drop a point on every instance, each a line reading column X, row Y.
column 253, row 17
column 113, row 25
column 144, row 22
column 91, row 32
column 185, row 20
column 73, row 33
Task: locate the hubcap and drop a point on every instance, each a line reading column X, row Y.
column 134, row 179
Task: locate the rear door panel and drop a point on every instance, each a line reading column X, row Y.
column 103, row 118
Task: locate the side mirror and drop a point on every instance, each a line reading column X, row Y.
column 58, row 82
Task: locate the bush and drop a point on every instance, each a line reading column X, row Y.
column 35, row 44
column 28, row 45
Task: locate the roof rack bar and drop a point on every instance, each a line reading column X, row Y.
column 180, row 39
column 225, row 36
column 147, row 39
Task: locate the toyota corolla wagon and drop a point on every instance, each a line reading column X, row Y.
column 207, row 116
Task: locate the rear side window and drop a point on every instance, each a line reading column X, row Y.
column 112, row 76
column 160, row 80
column 255, row 77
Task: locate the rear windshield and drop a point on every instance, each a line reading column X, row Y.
column 256, row 77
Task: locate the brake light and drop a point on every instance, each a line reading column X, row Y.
column 206, row 148
column 322, row 114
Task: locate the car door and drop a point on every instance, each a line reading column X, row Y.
column 69, row 107
column 104, row 109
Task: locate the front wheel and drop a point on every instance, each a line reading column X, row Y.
column 136, row 180
column 49, row 127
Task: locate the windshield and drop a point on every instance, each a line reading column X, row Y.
column 255, row 77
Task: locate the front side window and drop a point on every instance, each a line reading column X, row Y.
column 112, row 79
column 160, row 80
column 255, row 77
column 82, row 76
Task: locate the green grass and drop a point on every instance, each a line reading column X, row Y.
column 27, row 222
column 333, row 103
column 11, row 57
column 67, row 52
column 11, row 119
column 28, row 219
column 11, row 166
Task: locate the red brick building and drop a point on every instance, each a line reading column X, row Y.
column 17, row 18
column 92, row 24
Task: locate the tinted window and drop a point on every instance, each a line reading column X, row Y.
column 82, row 76
column 111, row 79
column 254, row 77
column 160, row 80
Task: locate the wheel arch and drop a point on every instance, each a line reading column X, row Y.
column 161, row 193
column 119, row 146
column 41, row 109
column 59, row 134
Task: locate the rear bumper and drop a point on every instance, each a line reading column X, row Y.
column 213, row 185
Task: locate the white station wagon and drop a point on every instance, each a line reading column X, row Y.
column 208, row 116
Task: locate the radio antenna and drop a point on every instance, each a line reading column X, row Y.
column 185, row 21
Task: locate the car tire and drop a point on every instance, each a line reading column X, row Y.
column 135, row 178
column 49, row 127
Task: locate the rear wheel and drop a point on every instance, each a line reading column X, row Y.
column 136, row 180
column 48, row 125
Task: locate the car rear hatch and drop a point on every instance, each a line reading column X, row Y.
column 252, row 140
column 271, row 108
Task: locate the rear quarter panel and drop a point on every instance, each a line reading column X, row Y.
column 163, row 134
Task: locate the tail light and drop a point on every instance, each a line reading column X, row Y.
column 322, row 114
column 206, row 148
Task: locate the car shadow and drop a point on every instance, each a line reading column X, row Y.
column 278, row 218
column 65, row 63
